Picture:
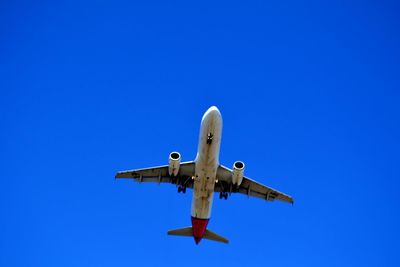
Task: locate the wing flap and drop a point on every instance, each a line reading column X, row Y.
column 160, row 174
column 253, row 188
column 147, row 172
column 248, row 187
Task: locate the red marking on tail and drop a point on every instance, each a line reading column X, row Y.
column 199, row 227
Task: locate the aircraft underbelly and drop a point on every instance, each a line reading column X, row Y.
column 203, row 191
column 207, row 163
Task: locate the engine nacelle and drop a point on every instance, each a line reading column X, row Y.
column 174, row 163
column 237, row 174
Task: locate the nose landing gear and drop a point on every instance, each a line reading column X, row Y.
column 182, row 189
column 209, row 138
column 223, row 195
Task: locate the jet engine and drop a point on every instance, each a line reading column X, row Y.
column 174, row 163
column 237, row 173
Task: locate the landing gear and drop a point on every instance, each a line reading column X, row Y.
column 223, row 195
column 209, row 138
column 182, row 189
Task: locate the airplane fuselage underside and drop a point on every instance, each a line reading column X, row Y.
column 207, row 162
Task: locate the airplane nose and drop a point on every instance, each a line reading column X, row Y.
column 212, row 114
column 213, row 111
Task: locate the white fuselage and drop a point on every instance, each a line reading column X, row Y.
column 207, row 162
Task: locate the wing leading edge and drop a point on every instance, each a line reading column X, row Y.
column 248, row 187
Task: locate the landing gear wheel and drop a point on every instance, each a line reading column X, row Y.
column 182, row 189
column 223, row 195
column 209, row 138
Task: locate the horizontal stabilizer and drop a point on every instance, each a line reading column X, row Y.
column 187, row 231
column 215, row 237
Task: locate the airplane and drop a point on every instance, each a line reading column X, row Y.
column 205, row 175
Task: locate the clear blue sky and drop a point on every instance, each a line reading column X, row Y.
column 309, row 94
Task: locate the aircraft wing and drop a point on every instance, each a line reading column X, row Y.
column 248, row 187
column 160, row 174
